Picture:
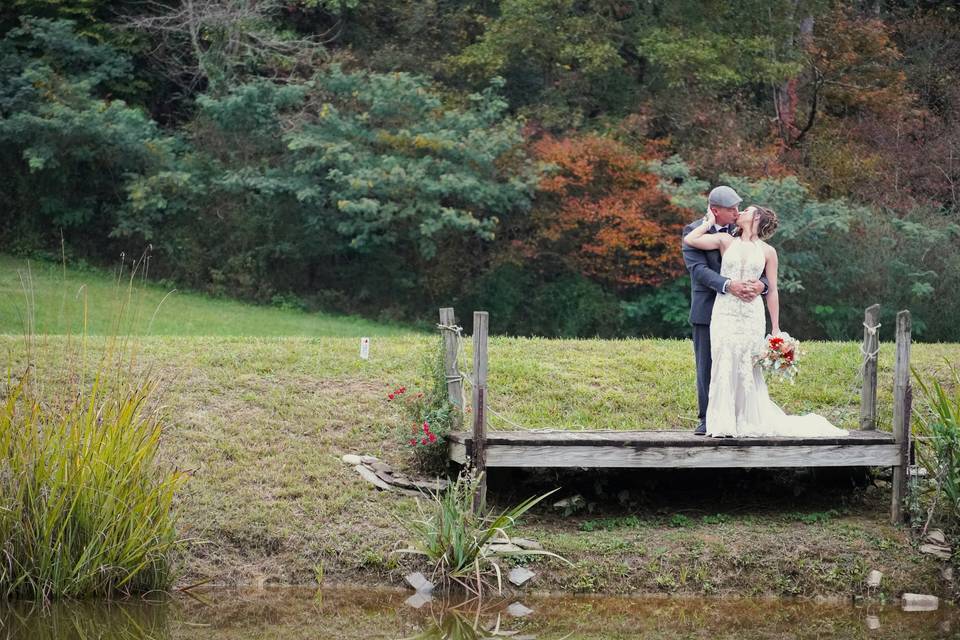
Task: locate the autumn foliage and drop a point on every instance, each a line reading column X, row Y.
column 604, row 215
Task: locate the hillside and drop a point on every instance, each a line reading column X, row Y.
column 59, row 297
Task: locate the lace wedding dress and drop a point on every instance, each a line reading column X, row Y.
column 739, row 404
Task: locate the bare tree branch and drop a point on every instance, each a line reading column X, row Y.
column 209, row 41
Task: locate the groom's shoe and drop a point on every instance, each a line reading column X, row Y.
column 701, row 429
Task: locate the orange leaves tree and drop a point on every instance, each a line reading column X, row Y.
column 600, row 213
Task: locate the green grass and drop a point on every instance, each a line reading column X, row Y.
column 58, row 298
column 260, row 422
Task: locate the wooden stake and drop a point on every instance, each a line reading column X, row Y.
column 868, row 394
column 450, row 369
column 480, row 327
column 902, row 398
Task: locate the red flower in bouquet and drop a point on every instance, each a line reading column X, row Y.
column 780, row 356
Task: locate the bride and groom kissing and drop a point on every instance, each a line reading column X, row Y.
column 732, row 271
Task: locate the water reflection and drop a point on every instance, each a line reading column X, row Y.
column 294, row 614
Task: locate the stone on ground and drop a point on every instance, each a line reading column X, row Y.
column 351, row 459
column 503, row 548
column 941, row 551
column 371, row 477
column 381, row 467
column 519, row 575
column 419, row 582
column 518, row 610
column 523, row 543
column 935, row 536
column 919, row 602
column 874, row 578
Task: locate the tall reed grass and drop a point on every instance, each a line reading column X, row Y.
column 86, row 508
column 938, row 447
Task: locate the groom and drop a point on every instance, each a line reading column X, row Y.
column 707, row 284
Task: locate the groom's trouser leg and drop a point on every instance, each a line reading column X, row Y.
column 701, row 353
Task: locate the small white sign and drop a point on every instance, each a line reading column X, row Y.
column 365, row 348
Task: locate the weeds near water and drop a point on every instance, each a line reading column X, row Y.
column 85, row 507
column 938, row 450
column 458, row 542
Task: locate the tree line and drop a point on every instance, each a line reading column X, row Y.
column 536, row 158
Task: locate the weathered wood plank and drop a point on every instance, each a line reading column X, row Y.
column 478, row 450
column 562, row 438
column 454, row 385
column 902, row 395
column 742, row 456
column 871, row 343
column 458, row 452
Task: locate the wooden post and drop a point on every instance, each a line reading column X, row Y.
column 481, row 321
column 868, row 394
column 454, row 384
column 902, row 398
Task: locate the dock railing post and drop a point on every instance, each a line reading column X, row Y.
column 870, row 349
column 450, row 367
column 902, row 413
column 481, row 321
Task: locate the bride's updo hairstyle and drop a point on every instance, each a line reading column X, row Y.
column 766, row 221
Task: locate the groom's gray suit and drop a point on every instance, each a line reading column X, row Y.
column 706, row 282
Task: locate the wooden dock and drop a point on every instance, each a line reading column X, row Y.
column 675, row 450
column 868, row 447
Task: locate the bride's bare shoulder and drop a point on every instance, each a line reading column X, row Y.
column 768, row 249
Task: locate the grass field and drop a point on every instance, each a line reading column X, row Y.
column 58, row 296
column 261, row 422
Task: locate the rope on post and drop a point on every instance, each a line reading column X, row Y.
column 461, row 376
column 870, row 355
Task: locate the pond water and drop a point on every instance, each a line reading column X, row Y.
column 294, row 614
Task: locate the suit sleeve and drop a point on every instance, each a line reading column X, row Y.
column 700, row 273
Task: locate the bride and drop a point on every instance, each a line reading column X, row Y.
column 739, row 404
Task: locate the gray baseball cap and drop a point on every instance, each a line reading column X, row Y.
column 724, row 196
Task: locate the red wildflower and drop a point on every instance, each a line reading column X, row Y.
column 433, row 438
column 390, row 396
column 413, row 442
column 424, row 441
column 402, row 390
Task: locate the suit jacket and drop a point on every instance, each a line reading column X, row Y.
column 705, row 279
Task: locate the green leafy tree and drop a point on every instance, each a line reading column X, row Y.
column 351, row 178
column 563, row 60
column 66, row 149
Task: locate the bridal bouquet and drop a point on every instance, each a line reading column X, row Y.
column 780, row 356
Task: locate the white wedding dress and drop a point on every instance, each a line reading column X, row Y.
column 739, row 404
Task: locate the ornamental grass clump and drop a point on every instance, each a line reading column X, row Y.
column 85, row 509
column 457, row 541
column 938, row 450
